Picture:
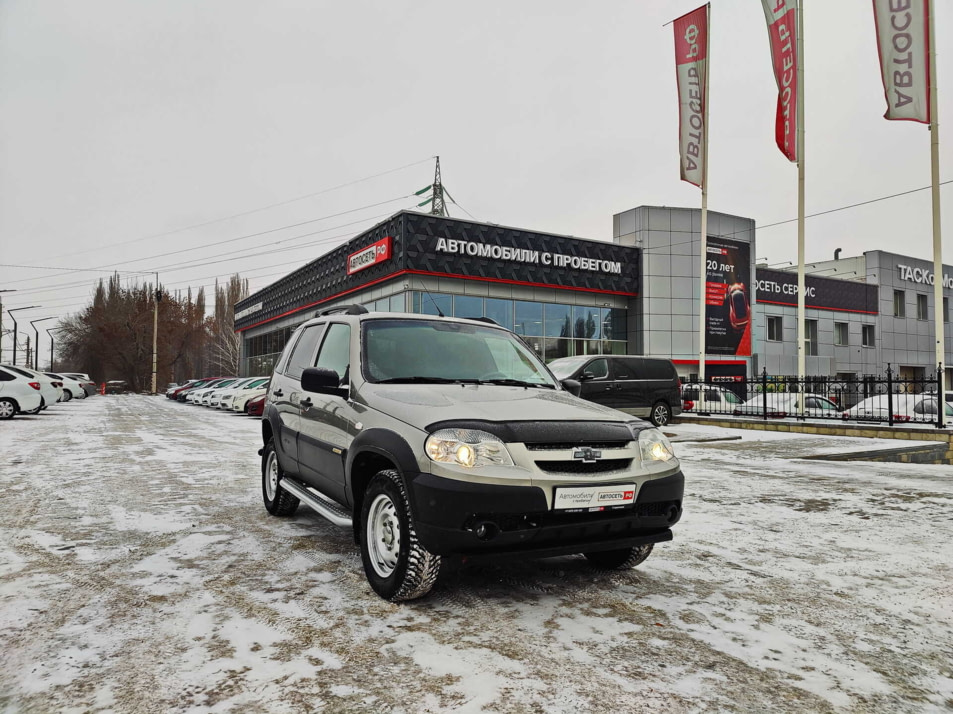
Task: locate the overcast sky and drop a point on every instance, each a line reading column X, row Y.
column 123, row 122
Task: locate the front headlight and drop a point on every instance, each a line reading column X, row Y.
column 467, row 447
column 655, row 446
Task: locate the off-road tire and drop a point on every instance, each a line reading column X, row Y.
column 8, row 409
column 661, row 413
column 416, row 568
column 622, row 559
column 278, row 502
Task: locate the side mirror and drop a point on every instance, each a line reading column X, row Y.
column 572, row 386
column 586, row 376
column 321, row 380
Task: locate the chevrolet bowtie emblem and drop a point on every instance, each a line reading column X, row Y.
column 588, row 456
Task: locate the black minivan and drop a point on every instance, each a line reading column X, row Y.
column 641, row 386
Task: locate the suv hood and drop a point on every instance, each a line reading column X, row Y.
column 420, row 405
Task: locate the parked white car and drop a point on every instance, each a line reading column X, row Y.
column 240, row 401
column 18, row 394
column 226, row 398
column 905, row 408
column 51, row 390
column 215, row 397
column 709, row 398
column 89, row 385
column 788, row 405
column 72, row 389
column 201, row 396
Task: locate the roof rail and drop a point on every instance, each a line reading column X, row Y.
column 342, row 310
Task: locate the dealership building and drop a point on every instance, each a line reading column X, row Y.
column 638, row 294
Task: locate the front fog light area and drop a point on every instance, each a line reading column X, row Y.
column 655, row 446
column 467, row 447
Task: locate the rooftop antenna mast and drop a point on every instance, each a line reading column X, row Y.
column 439, row 208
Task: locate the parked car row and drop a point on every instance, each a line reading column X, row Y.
column 26, row 391
column 235, row 394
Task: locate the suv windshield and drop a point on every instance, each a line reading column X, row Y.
column 443, row 351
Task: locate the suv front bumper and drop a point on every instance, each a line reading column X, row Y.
column 449, row 514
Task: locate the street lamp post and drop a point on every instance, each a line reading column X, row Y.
column 9, row 290
column 36, row 348
column 50, row 332
column 28, row 307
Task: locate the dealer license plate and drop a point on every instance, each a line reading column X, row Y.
column 594, row 498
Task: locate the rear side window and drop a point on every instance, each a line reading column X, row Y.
column 659, row 369
column 20, row 372
column 303, row 349
column 627, row 368
column 6, row 376
column 336, row 351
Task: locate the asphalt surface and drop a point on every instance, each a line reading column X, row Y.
column 139, row 572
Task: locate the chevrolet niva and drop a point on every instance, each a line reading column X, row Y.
column 434, row 436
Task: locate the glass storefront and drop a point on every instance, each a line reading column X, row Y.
column 551, row 329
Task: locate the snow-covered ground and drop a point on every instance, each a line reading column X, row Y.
column 139, row 572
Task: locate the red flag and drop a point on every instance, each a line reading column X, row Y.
column 903, row 42
column 691, row 60
column 781, row 16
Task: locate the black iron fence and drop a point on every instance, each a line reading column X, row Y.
column 892, row 397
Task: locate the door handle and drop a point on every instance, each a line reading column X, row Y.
column 306, row 403
column 278, row 393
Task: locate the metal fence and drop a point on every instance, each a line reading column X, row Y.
column 889, row 398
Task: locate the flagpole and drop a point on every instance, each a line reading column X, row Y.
column 800, row 207
column 937, row 242
column 703, row 276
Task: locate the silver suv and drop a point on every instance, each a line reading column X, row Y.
column 438, row 436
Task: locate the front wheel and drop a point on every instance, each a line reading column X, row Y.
column 661, row 414
column 278, row 502
column 622, row 559
column 397, row 566
column 7, row 409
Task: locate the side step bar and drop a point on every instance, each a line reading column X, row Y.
column 325, row 507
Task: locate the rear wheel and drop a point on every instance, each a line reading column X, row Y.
column 621, row 559
column 278, row 502
column 67, row 395
column 8, row 409
column 661, row 414
column 397, row 566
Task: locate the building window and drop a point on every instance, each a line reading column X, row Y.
column 867, row 335
column 922, row 307
column 775, row 328
column 840, row 333
column 810, row 337
column 946, row 309
column 899, row 307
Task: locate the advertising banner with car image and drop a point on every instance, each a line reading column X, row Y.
column 727, row 297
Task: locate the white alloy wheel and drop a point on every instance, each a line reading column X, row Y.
column 271, row 476
column 383, row 535
column 7, row 409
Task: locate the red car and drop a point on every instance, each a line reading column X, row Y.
column 255, row 406
column 737, row 298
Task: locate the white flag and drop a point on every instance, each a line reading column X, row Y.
column 903, row 40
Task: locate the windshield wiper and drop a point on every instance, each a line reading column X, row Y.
column 423, row 380
column 507, row 382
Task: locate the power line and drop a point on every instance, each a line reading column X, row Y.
column 254, row 210
column 207, row 245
